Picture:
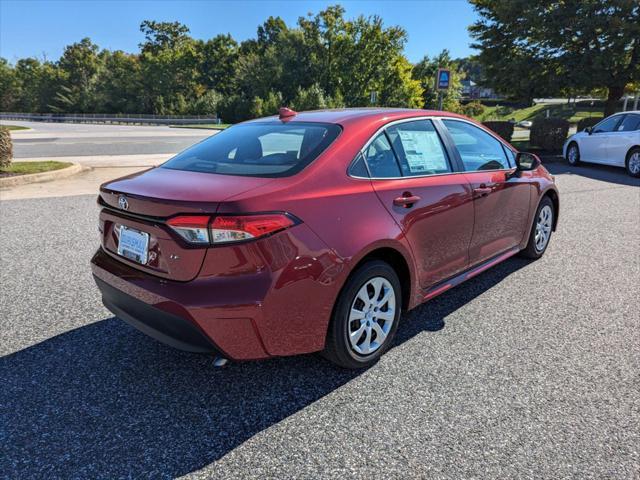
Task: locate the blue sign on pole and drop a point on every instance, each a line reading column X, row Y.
column 443, row 78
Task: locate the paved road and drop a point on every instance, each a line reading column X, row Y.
column 530, row 370
column 49, row 140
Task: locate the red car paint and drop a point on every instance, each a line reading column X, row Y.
column 274, row 296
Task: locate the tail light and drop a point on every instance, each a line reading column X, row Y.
column 226, row 229
column 223, row 229
column 193, row 229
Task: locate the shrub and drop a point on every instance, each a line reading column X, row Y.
column 503, row 129
column 6, row 148
column 549, row 133
column 473, row 109
column 207, row 104
column 312, row 98
column 588, row 122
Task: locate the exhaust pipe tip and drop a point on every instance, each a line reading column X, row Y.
column 220, row 361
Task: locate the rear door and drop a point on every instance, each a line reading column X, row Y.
column 414, row 179
column 501, row 200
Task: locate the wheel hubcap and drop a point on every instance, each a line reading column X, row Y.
column 634, row 163
column 573, row 154
column 543, row 228
column 373, row 312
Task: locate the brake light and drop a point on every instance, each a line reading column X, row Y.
column 227, row 228
column 194, row 229
column 203, row 230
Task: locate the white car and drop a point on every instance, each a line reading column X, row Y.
column 614, row 141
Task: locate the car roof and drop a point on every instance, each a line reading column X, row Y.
column 627, row 112
column 343, row 116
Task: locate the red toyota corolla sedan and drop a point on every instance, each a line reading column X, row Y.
column 313, row 231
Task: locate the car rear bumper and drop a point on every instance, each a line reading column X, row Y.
column 167, row 328
column 174, row 312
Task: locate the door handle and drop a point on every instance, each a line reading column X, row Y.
column 482, row 191
column 406, row 200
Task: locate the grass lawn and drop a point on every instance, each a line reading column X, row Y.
column 205, row 126
column 24, row 168
column 14, row 127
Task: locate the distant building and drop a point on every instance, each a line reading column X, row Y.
column 471, row 89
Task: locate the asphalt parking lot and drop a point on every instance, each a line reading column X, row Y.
column 531, row 370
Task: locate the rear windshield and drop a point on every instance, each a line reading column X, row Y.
column 258, row 149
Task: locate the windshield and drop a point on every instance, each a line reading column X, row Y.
column 258, row 149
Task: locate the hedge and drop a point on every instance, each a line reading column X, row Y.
column 504, row 129
column 549, row 133
column 588, row 122
column 473, row 109
column 6, row 148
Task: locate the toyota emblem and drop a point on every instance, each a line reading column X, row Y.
column 123, row 203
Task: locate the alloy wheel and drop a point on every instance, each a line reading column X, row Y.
column 371, row 317
column 543, row 228
column 572, row 155
column 634, row 163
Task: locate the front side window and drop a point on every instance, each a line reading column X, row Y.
column 478, row 150
column 629, row 123
column 418, row 148
column 607, row 125
column 272, row 149
column 381, row 159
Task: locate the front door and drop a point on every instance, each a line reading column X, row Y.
column 593, row 148
column 413, row 178
column 620, row 142
column 501, row 200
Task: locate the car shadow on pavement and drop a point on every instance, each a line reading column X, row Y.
column 106, row 401
column 594, row 171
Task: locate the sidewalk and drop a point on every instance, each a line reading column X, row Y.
column 103, row 169
column 84, row 183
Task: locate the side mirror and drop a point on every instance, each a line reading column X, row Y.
column 526, row 162
column 588, row 130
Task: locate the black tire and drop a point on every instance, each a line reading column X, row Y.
column 576, row 160
column 531, row 250
column 633, row 151
column 338, row 348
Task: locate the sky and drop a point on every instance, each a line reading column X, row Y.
column 43, row 28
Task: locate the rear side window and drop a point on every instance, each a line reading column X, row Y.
column 380, row 158
column 258, row 149
column 419, row 149
column 478, row 150
column 629, row 123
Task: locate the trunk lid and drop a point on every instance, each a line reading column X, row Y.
column 152, row 196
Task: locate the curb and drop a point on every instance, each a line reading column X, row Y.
column 17, row 180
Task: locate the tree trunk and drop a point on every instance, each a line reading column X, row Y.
column 610, row 105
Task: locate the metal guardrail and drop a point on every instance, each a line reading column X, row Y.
column 131, row 118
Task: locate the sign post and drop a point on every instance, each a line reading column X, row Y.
column 443, row 79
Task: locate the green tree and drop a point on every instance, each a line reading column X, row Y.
column 218, row 63
column 119, row 84
column 535, row 47
column 8, row 87
column 162, row 35
column 79, row 67
column 169, row 66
